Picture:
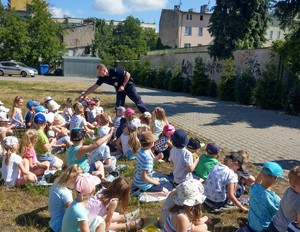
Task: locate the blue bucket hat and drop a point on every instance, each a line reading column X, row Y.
column 273, row 169
column 40, row 118
column 179, row 138
column 31, row 103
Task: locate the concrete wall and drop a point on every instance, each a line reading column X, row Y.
column 185, row 59
column 80, row 66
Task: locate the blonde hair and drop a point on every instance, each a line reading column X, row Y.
column 104, row 118
column 159, row 114
column 78, row 108
column 245, row 155
column 28, row 140
column 192, row 212
column 133, row 141
column 145, row 119
column 119, row 189
column 16, row 100
column 294, row 175
column 69, row 175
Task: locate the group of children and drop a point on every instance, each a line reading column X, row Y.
column 93, row 142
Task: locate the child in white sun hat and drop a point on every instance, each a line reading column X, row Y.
column 185, row 212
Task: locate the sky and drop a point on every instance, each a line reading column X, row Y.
column 145, row 10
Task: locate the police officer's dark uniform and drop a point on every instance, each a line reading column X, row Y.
column 116, row 79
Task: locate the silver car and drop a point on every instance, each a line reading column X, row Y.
column 16, row 68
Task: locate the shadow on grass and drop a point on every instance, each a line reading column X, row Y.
column 34, row 219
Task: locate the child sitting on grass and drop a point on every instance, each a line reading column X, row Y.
column 185, row 213
column 76, row 215
column 221, row 183
column 15, row 171
column 208, row 161
column 181, row 158
column 164, row 144
column 142, row 179
column 263, row 202
column 106, row 201
column 289, row 210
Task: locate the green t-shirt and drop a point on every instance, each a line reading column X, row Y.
column 205, row 164
column 41, row 139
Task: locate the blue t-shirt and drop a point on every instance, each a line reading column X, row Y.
column 263, row 205
column 75, row 213
column 71, row 158
column 144, row 161
column 58, row 197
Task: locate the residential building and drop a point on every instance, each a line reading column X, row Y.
column 179, row 29
column 18, row 5
column 182, row 29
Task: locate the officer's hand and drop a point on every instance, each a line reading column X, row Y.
column 121, row 88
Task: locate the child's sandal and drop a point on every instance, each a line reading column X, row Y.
column 132, row 216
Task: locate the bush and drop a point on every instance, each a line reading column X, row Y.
column 212, row 89
column 292, row 102
column 187, row 85
column 176, row 82
column 268, row 92
column 227, row 81
column 200, row 81
column 150, row 79
column 160, row 77
column 140, row 71
column 244, row 87
column 167, row 79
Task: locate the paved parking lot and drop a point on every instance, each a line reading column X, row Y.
column 267, row 135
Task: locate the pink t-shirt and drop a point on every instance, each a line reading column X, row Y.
column 30, row 154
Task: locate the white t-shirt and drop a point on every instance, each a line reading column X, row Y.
column 99, row 110
column 77, row 121
column 10, row 172
column 124, row 141
column 216, row 184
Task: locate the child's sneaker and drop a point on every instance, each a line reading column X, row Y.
column 133, row 216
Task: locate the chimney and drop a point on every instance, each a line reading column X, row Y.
column 203, row 9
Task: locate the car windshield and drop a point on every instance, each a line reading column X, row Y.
column 22, row 64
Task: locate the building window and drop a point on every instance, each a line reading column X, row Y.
column 271, row 35
column 200, row 31
column 201, row 17
column 187, row 45
column 278, row 34
column 188, row 30
column 199, row 45
column 189, row 17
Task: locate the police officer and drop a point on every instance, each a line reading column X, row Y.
column 122, row 82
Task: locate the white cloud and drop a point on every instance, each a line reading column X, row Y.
column 107, row 6
column 126, row 6
column 59, row 13
column 142, row 5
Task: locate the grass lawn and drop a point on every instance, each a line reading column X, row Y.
column 26, row 209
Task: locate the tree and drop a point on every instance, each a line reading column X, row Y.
column 14, row 36
column 237, row 24
column 288, row 13
column 200, row 80
column 103, row 43
column 151, row 38
column 45, row 35
column 129, row 34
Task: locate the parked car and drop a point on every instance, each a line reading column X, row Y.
column 16, row 68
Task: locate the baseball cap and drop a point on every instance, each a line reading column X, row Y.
column 134, row 124
column 169, row 129
column 120, row 110
column 273, row 169
column 85, row 183
column 189, row 193
column 77, row 134
column 40, row 109
column 10, row 142
column 237, row 157
column 46, row 99
column 194, row 143
column 147, row 114
column 213, row 148
column 31, row 103
column 40, row 118
column 129, row 111
column 92, row 103
column 179, row 138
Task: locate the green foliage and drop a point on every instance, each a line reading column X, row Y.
column 212, row 89
column 167, row 79
column 140, row 71
column 268, row 92
column 151, row 38
column 28, row 40
column 160, row 77
column 227, row 81
column 187, row 84
column 244, row 87
column 292, row 102
column 237, row 24
column 176, row 82
column 200, row 81
column 150, row 79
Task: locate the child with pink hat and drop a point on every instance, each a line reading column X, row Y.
column 164, row 144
